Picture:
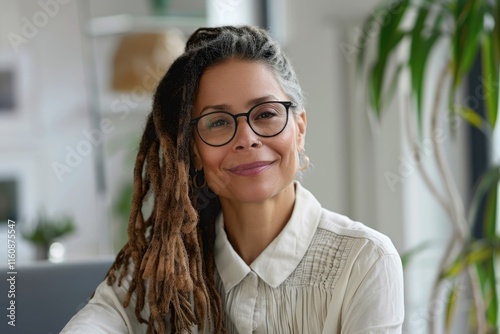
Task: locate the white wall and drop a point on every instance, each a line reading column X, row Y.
column 56, row 111
column 311, row 45
column 340, row 142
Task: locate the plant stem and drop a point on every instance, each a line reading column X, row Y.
column 414, row 147
column 458, row 212
column 436, row 288
column 456, row 215
column 482, row 326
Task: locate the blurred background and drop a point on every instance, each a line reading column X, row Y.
column 76, row 79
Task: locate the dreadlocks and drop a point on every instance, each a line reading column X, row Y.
column 172, row 250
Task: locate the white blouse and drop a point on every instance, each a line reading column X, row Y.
column 324, row 273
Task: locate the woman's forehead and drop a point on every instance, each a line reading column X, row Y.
column 237, row 83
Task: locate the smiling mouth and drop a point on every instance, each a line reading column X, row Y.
column 250, row 169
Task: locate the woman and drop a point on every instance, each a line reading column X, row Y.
column 233, row 243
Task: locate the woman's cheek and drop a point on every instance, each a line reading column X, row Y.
column 216, row 179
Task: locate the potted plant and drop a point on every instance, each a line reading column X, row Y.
column 472, row 29
column 47, row 231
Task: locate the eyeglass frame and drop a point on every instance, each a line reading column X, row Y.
column 286, row 104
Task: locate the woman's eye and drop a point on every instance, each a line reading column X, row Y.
column 217, row 123
column 266, row 114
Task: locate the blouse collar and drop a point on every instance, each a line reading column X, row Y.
column 282, row 255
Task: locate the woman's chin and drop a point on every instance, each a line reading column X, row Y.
column 252, row 192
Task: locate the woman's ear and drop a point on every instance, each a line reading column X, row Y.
column 195, row 155
column 301, row 122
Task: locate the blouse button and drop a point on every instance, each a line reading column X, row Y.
column 252, row 277
column 254, row 325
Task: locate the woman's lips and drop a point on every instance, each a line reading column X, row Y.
column 250, row 169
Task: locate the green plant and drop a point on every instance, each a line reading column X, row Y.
column 47, row 230
column 121, row 210
column 471, row 29
column 121, row 203
column 160, row 7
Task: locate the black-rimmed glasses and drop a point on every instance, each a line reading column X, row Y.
column 266, row 119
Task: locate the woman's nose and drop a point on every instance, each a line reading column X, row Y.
column 245, row 137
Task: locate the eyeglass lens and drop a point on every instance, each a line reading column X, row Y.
column 266, row 120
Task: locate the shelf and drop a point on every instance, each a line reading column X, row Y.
column 120, row 24
column 121, row 103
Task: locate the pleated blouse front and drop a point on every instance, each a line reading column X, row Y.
column 323, row 274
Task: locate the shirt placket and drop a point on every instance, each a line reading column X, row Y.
column 247, row 303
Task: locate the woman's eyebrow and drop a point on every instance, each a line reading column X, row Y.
column 258, row 100
column 250, row 103
column 216, row 107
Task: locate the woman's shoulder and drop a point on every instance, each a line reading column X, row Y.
column 339, row 230
column 342, row 252
column 105, row 312
column 339, row 226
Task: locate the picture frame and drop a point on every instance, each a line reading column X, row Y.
column 8, row 96
column 9, row 84
column 9, row 198
column 17, row 99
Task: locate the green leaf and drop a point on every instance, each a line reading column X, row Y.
column 482, row 252
column 47, row 230
column 487, row 281
column 124, row 202
column 490, row 213
column 378, row 73
column 420, row 49
column 490, row 73
column 408, row 255
column 479, row 255
column 376, row 82
column 451, row 303
column 379, row 97
column 473, row 29
column 488, row 181
column 495, row 11
column 417, row 61
column 474, row 119
column 492, row 297
column 477, row 252
column 389, row 17
column 389, row 38
column 368, row 30
column 391, row 91
column 469, row 25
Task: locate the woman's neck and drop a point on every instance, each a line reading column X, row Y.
column 251, row 227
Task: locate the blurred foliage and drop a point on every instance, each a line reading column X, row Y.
column 47, row 230
column 471, row 30
column 122, row 199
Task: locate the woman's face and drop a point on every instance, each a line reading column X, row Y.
column 249, row 168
